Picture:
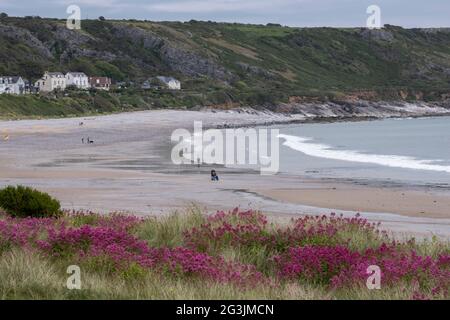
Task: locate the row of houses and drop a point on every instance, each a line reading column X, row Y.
column 51, row 81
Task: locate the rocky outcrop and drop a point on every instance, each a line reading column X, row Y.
column 147, row 38
column 76, row 44
column 332, row 112
column 26, row 37
column 365, row 109
column 177, row 57
column 377, row 35
column 255, row 70
column 191, row 64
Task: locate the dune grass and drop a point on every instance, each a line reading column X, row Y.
column 31, row 276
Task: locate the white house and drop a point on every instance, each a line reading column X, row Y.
column 12, row 85
column 77, row 79
column 170, row 83
column 51, row 81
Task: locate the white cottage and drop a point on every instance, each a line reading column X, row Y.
column 77, row 79
column 51, row 81
column 12, row 85
column 170, row 83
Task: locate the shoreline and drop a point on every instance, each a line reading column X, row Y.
column 319, row 120
column 306, row 112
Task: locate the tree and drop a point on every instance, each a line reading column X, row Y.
column 3, row 15
column 101, row 18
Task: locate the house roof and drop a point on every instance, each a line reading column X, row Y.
column 99, row 80
column 55, row 74
column 10, row 79
column 166, row 79
column 77, row 74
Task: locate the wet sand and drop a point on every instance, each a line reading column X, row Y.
column 364, row 199
column 128, row 169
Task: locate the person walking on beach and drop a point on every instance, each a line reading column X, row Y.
column 214, row 176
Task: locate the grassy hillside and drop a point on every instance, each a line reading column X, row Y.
column 221, row 63
column 73, row 103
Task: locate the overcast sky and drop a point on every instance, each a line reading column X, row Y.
column 338, row 13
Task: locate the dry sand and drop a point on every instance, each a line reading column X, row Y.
column 365, row 199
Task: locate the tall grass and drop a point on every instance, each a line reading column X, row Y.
column 169, row 230
column 30, row 276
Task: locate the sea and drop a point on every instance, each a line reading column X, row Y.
column 403, row 151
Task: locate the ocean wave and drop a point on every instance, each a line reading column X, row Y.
column 306, row 146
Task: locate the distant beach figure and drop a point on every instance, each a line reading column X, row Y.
column 214, row 176
column 82, row 140
column 81, row 123
column 6, row 137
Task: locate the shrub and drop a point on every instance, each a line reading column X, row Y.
column 224, row 229
column 112, row 251
column 317, row 264
column 250, row 229
column 115, row 221
column 27, row 202
column 339, row 267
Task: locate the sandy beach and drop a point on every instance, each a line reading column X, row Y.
column 128, row 169
column 365, row 199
